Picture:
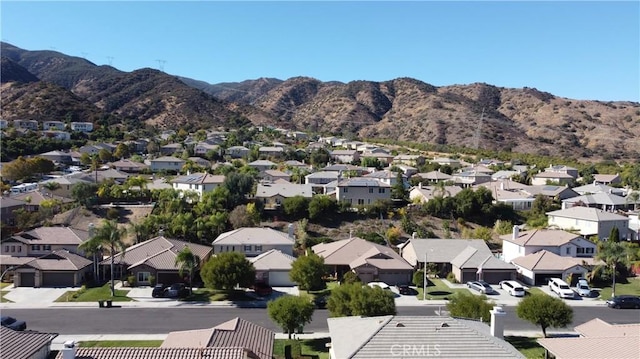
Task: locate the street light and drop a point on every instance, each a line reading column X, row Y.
column 424, row 270
column 5, row 272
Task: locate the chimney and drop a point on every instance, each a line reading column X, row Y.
column 413, row 235
column 516, row 232
column 290, row 230
column 497, row 322
column 502, row 186
column 420, row 185
column 69, row 350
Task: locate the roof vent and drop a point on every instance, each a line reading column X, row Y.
column 444, row 325
column 399, row 325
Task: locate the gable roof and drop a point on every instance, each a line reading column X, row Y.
column 541, row 237
column 60, row 260
column 158, row 252
column 52, row 235
column 199, row 178
column 34, row 198
column 434, row 176
column 23, row 344
column 599, row 328
column 355, row 252
column 599, row 198
column 287, row 190
column 254, row 235
column 551, row 190
column 588, row 214
column 375, row 337
column 362, row 182
column 444, row 250
column 8, row 202
column 158, row 353
column 236, row 332
column 272, row 260
column 168, row 159
column 546, row 261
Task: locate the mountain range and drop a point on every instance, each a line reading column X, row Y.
column 48, row 85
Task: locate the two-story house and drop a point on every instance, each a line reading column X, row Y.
column 253, row 241
column 53, row 125
column 237, row 151
column 166, row 163
column 360, row 191
column 197, row 182
column 26, row 124
column 589, row 221
column 274, row 194
column 202, row 148
column 345, row 156
column 563, row 243
column 82, row 126
column 262, row 165
column 43, row 240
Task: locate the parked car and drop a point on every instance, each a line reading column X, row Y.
column 320, row 302
column 513, row 288
column 583, row 288
column 406, row 290
column 481, row 286
column 561, row 288
column 13, row 323
column 158, row 290
column 176, row 290
column 262, row 289
column 624, row 302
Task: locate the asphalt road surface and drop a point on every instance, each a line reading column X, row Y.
column 163, row 320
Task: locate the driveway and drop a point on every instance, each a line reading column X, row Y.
column 35, row 296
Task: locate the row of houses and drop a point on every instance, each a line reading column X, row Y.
column 34, row 125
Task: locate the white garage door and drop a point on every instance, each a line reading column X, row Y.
column 280, row 279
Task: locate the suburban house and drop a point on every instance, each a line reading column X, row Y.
column 64, row 185
column 589, row 221
column 256, row 340
column 33, row 199
column 44, row 240
column 25, row 344
column 360, row 191
column 424, row 194
column 262, row 165
column 237, row 151
column 407, row 170
column 552, row 177
column 170, row 149
column 509, row 192
column 368, row 260
column 388, row 177
column 57, row 156
column 103, row 175
column 7, row 206
column 444, row 161
column 605, row 201
column 553, row 192
column 271, row 151
column 274, row 175
column 201, row 148
column 345, row 156
column 253, row 241
column 435, row 176
column 470, row 178
column 199, row 161
column 126, row 165
column 597, row 339
column 419, row 337
column 467, row 259
column 274, row 194
column 273, row 267
column 26, row 124
column 156, row 258
column 606, row 179
column 197, row 182
column 166, row 163
column 379, row 154
column 593, row 188
column 58, row 135
column 537, row 268
column 411, row 160
column 321, row 178
column 82, row 126
column 562, row 243
column 60, row 268
column 155, row 353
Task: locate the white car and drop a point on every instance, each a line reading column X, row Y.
column 513, row 288
column 561, row 288
column 583, row 288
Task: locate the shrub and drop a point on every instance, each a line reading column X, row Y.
column 350, row 277
column 152, row 280
column 131, row 280
column 113, row 213
column 418, row 278
column 452, row 278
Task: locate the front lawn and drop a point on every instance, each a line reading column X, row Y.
column 121, row 343
column 94, row 294
column 535, row 290
column 5, row 284
column 213, row 295
column 308, row 348
column 632, row 288
column 3, row 299
column 436, row 289
column 320, row 293
column 529, row 347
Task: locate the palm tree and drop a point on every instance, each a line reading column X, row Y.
column 187, row 262
column 110, row 236
column 612, row 253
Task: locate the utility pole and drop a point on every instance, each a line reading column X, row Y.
column 161, row 64
column 110, row 60
column 424, row 282
column 478, row 134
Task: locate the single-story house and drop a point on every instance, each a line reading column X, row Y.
column 154, row 257
column 368, row 260
column 57, row 156
column 262, row 165
column 467, row 259
column 59, row 268
column 253, row 241
column 237, row 151
column 547, row 177
column 604, row 201
column 274, row 194
column 171, row 148
column 126, row 165
column 155, row 353
column 28, row 344
column 424, row 194
column 273, row 267
column 539, row 267
column 274, row 175
column 551, row 191
column 236, row 333
column 592, row 188
column 606, row 179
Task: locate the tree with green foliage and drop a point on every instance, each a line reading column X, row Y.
column 613, row 254
column 467, row 305
column 614, row 235
column 85, row 193
column 418, row 278
column 290, row 312
column 545, row 311
column 187, row 262
column 308, row 271
column 398, row 190
column 356, row 299
column 296, row 206
column 239, row 186
column 109, row 236
column 350, row 277
column 322, row 205
column 240, row 217
column 227, row 270
column 302, row 237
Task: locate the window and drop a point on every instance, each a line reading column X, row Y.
column 13, row 248
column 247, row 248
column 580, row 250
column 6, row 248
column 19, row 249
column 360, row 201
column 258, row 248
column 381, row 190
column 35, row 247
column 370, row 189
column 590, row 251
column 143, row 277
column 567, row 250
column 46, row 247
column 345, row 190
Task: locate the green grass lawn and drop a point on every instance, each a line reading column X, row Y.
column 309, row 348
column 121, row 343
column 529, row 347
column 5, row 284
column 94, row 294
column 318, row 293
column 436, row 289
column 535, row 290
column 213, row 295
column 632, row 287
column 3, row 299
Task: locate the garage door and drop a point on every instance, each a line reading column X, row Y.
column 543, row 279
column 57, row 279
column 27, row 279
column 280, row 279
column 395, row 278
column 497, row 276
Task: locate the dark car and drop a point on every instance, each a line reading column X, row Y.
column 176, row 290
column 13, row 323
column 158, row 290
column 320, row 302
column 262, row 289
column 624, row 302
column 406, row 290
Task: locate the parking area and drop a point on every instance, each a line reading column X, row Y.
column 35, row 296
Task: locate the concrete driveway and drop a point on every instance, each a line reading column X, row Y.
column 35, row 296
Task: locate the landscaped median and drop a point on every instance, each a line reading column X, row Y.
column 95, row 295
column 3, row 292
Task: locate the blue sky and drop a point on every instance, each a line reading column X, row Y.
column 579, row 50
